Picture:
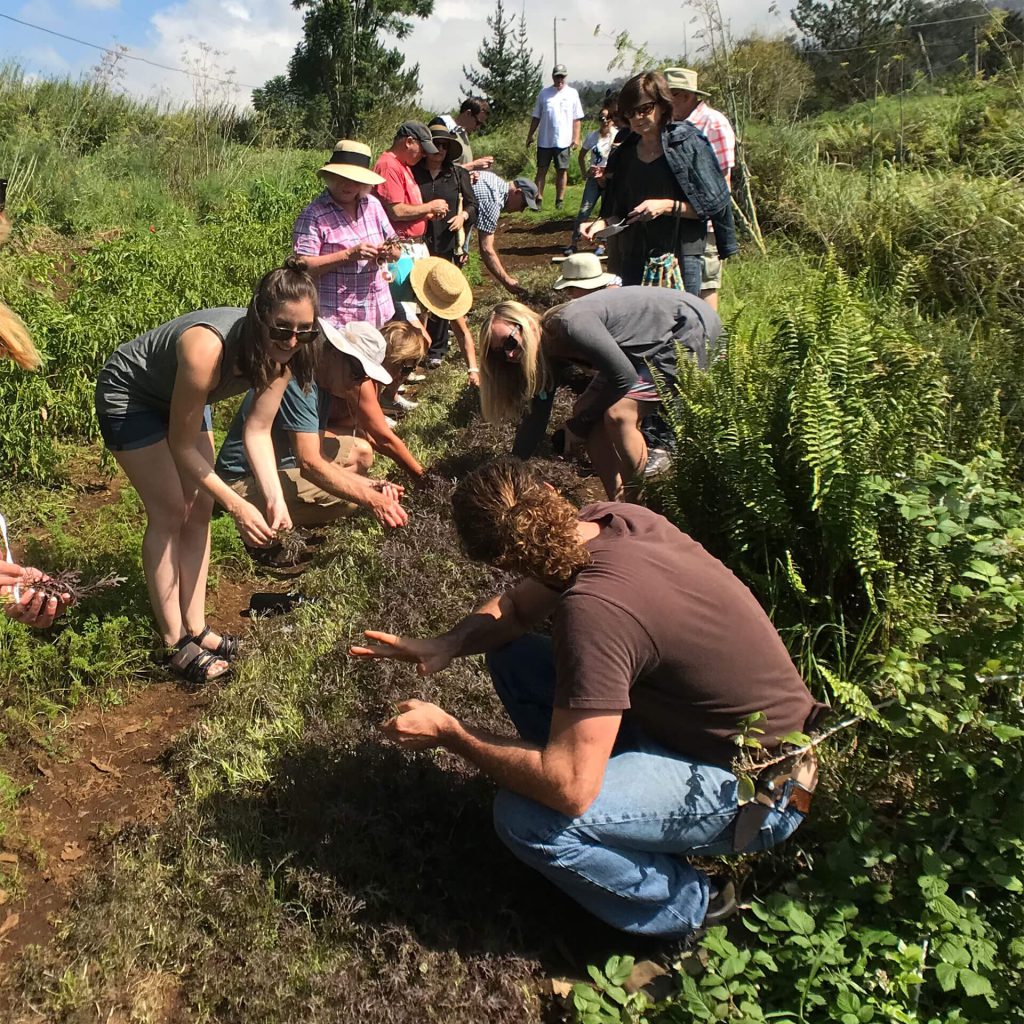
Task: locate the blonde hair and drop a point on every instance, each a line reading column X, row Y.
column 506, row 387
column 15, row 342
column 405, row 341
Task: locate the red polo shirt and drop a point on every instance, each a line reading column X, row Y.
column 400, row 187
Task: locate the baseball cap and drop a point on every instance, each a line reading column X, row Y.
column 559, row 69
column 529, row 190
column 418, row 131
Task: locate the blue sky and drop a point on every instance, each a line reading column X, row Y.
column 254, row 38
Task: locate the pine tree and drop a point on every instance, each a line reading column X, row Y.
column 508, row 76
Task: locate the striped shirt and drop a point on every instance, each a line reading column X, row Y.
column 490, row 192
column 718, row 131
column 355, row 289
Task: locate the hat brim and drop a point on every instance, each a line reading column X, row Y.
column 338, row 341
column 362, row 175
column 417, row 278
column 455, row 147
column 589, row 283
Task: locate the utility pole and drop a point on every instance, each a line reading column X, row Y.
column 554, row 31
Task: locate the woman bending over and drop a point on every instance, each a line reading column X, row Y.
column 153, row 398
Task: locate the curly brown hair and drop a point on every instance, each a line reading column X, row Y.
column 506, row 515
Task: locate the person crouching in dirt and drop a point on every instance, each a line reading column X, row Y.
column 627, row 714
column 355, row 409
column 493, row 196
column 621, row 333
column 323, row 478
column 152, row 400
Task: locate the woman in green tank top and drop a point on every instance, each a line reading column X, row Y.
column 152, row 399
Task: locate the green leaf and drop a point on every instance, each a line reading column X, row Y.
column 1007, row 732
column 946, row 975
column 974, row 984
column 979, row 565
column 801, row 922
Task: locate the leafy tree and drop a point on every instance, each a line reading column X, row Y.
column 508, row 75
column 344, row 61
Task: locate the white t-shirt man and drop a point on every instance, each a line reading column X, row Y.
column 556, row 109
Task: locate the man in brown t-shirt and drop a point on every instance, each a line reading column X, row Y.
column 626, row 714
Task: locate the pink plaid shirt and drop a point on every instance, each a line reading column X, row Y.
column 718, row 131
column 355, row 289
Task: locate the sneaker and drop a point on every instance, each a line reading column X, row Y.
column 558, row 204
column 433, row 363
column 569, row 250
column 402, row 404
column 391, row 421
column 658, row 462
column 721, row 904
column 599, row 251
column 415, row 378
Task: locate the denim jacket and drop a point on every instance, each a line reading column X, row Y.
column 696, row 169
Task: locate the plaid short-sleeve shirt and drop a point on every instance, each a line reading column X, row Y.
column 718, row 131
column 355, row 289
column 490, row 192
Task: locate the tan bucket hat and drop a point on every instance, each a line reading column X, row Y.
column 684, row 79
column 583, row 270
column 352, row 160
column 455, row 148
column 441, row 287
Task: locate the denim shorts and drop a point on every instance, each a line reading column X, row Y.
column 139, row 428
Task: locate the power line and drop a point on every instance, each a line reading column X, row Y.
column 895, row 42
column 123, row 52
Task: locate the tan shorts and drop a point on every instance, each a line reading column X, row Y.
column 308, row 504
column 711, row 266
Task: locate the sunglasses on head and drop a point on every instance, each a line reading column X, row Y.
column 279, row 333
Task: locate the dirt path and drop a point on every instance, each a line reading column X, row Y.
column 107, row 772
column 523, row 244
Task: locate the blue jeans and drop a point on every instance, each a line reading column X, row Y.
column 623, row 859
column 591, row 194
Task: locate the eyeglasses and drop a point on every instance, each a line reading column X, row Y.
column 407, row 368
column 604, row 120
column 644, row 110
column 442, row 143
column 280, row 333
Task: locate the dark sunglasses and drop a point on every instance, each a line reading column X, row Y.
column 285, row 333
column 642, row 111
column 407, row 368
column 509, row 345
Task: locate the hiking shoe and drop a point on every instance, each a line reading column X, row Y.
column 658, row 462
column 558, row 206
column 390, row 421
column 721, row 904
column 433, row 363
column 400, row 405
column 415, row 378
column 569, row 250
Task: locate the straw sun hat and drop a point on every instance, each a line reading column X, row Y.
column 441, row 287
column 352, row 160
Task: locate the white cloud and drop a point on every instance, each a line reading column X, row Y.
column 46, row 58
column 98, row 5
column 255, row 39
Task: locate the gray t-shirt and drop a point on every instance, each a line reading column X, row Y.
column 140, row 374
column 618, row 331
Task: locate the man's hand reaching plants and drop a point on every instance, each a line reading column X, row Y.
column 430, row 655
column 418, row 725
column 35, row 608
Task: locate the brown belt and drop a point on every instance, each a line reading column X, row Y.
column 802, row 771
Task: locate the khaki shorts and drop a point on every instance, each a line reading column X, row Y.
column 710, row 266
column 308, row 504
